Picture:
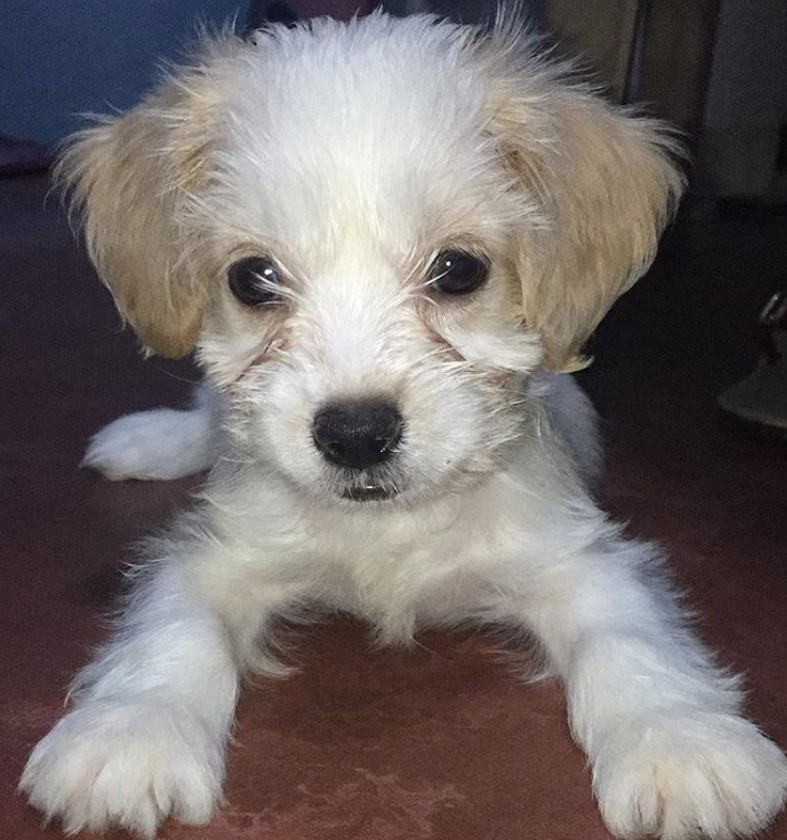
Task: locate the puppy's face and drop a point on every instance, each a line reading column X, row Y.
column 373, row 373
column 365, row 313
column 372, row 233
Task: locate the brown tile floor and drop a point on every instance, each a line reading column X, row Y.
column 440, row 742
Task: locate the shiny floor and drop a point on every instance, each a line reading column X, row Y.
column 442, row 741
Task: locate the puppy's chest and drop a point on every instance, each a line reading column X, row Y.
column 401, row 585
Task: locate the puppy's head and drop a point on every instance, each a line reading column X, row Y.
column 372, row 232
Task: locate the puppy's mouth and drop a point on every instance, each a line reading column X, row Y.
column 368, row 493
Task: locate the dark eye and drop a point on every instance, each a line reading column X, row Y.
column 457, row 272
column 254, row 281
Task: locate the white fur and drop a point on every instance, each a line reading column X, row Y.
column 354, row 178
column 160, row 444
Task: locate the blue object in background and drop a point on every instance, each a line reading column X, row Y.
column 63, row 58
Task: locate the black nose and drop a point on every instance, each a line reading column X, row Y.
column 357, row 434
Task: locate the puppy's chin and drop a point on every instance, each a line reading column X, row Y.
column 368, row 488
column 392, row 487
column 369, row 493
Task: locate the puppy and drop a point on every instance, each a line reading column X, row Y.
column 385, row 240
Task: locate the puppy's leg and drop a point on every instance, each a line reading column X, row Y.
column 150, row 720
column 160, row 444
column 670, row 752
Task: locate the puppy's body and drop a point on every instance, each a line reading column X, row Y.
column 352, row 224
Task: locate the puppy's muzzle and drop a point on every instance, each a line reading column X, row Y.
column 359, row 434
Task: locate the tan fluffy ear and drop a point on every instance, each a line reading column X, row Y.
column 607, row 183
column 130, row 178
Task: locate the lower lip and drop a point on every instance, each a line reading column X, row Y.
column 367, row 494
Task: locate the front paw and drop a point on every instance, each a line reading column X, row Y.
column 701, row 774
column 122, row 764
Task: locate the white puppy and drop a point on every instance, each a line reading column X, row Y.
column 384, row 239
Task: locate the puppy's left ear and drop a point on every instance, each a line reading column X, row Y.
column 607, row 183
column 132, row 179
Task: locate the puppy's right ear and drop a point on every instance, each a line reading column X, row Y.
column 130, row 177
column 606, row 183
